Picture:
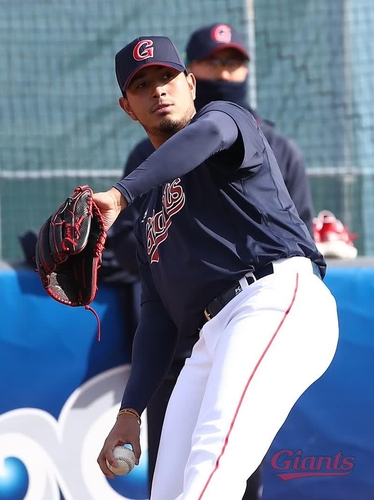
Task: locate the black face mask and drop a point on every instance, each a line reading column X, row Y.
column 218, row 90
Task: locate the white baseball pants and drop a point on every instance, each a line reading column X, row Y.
column 249, row 367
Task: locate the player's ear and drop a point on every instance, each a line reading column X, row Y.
column 124, row 104
column 191, row 80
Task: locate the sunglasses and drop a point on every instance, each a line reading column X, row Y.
column 230, row 63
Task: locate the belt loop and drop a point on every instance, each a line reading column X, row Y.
column 250, row 275
column 248, row 279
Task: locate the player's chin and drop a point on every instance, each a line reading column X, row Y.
column 171, row 124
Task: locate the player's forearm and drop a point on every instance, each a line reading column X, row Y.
column 183, row 152
column 153, row 350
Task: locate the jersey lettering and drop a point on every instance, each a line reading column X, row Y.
column 157, row 227
column 143, row 50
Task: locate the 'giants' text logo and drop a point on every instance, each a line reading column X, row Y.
column 158, row 224
column 293, row 465
column 143, row 50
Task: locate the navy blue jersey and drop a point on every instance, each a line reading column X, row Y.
column 206, row 224
column 292, row 166
column 289, row 159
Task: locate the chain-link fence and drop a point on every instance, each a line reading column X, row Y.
column 311, row 73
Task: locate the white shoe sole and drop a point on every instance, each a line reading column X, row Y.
column 337, row 250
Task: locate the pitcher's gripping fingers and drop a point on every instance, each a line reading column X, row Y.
column 110, row 204
column 126, row 430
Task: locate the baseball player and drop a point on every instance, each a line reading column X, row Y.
column 222, row 251
column 217, row 56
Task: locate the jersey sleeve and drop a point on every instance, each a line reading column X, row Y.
column 153, row 350
column 207, row 135
column 248, row 151
column 154, row 345
column 292, row 166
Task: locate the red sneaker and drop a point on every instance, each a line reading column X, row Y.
column 332, row 238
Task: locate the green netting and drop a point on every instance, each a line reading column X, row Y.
column 311, row 73
column 315, row 79
column 60, row 120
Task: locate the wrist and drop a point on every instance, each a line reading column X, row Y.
column 131, row 412
column 118, row 197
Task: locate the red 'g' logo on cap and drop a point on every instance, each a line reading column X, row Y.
column 143, row 50
column 222, row 33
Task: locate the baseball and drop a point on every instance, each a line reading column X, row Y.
column 126, row 461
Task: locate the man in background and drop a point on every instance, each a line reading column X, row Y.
column 217, row 56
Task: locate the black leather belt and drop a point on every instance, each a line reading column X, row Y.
column 217, row 304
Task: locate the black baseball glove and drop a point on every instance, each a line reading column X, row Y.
column 69, row 249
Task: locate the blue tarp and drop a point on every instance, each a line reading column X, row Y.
column 324, row 451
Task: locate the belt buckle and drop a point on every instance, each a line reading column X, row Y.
column 207, row 315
